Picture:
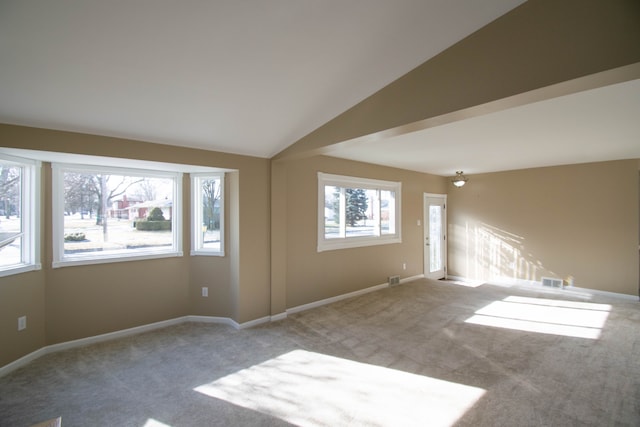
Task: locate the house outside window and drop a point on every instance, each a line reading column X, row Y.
column 114, row 214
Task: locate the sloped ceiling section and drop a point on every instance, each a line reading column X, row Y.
column 246, row 77
column 549, row 83
column 589, row 126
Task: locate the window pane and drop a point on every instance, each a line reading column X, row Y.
column 332, row 223
column 435, row 233
column 11, row 221
column 360, row 215
column 108, row 214
column 211, row 211
column 387, row 212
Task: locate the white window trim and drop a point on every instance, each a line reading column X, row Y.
column 325, row 179
column 196, row 215
column 59, row 259
column 30, row 216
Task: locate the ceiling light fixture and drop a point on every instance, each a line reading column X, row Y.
column 459, row 180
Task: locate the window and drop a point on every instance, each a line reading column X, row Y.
column 207, row 233
column 113, row 214
column 19, row 215
column 357, row 212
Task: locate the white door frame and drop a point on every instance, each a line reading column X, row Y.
column 425, row 236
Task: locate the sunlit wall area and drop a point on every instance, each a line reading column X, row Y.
column 578, row 221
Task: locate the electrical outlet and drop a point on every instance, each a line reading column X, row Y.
column 22, row 323
column 404, row 265
column 205, row 292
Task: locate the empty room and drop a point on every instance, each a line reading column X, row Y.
column 364, row 213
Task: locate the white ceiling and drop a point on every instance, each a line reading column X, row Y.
column 254, row 76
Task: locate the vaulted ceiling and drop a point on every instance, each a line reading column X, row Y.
column 253, row 77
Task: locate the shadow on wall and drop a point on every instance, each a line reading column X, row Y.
column 485, row 252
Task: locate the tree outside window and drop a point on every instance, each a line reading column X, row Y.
column 108, row 213
column 356, row 212
column 208, row 214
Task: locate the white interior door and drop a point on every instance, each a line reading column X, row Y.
column 435, row 237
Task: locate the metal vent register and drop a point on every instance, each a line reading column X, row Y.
column 552, row 282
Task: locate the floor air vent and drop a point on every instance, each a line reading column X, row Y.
column 552, row 282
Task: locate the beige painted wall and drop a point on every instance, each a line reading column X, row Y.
column 254, row 225
column 69, row 303
column 21, row 295
column 313, row 276
column 579, row 220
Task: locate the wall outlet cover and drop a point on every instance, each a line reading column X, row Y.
column 22, row 323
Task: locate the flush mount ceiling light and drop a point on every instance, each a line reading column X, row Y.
column 459, row 180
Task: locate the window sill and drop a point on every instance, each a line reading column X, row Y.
column 139, row 257
column 9, row 271
column 206, row 253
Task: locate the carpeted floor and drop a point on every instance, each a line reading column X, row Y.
column 425, row 353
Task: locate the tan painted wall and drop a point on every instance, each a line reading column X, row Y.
column 579, row 221
column 21, row 295
column 75, row 302
column 254, row 226
column 313, row 276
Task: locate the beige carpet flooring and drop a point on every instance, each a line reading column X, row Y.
column 425, row 353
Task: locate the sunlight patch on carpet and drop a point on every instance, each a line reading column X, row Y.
column 547, row 316
column 155, row 423
column 312, row 389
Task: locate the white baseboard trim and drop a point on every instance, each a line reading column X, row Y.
column 337, row 298
column 213, row 319
column 228, row 321
column 16, row 364
column 113, row 335
column 575, row 290
column 86, row 341
column 279, row 316
column 131, row 331
column 412, row 278
column 615, row 295
column 255, row 322
column 191, row 318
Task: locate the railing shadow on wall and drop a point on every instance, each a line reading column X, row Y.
column 482, row 251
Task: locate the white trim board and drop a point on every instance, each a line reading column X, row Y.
column 537, row 285
column 337, row 298
column 124, row 333
column 165, row 323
